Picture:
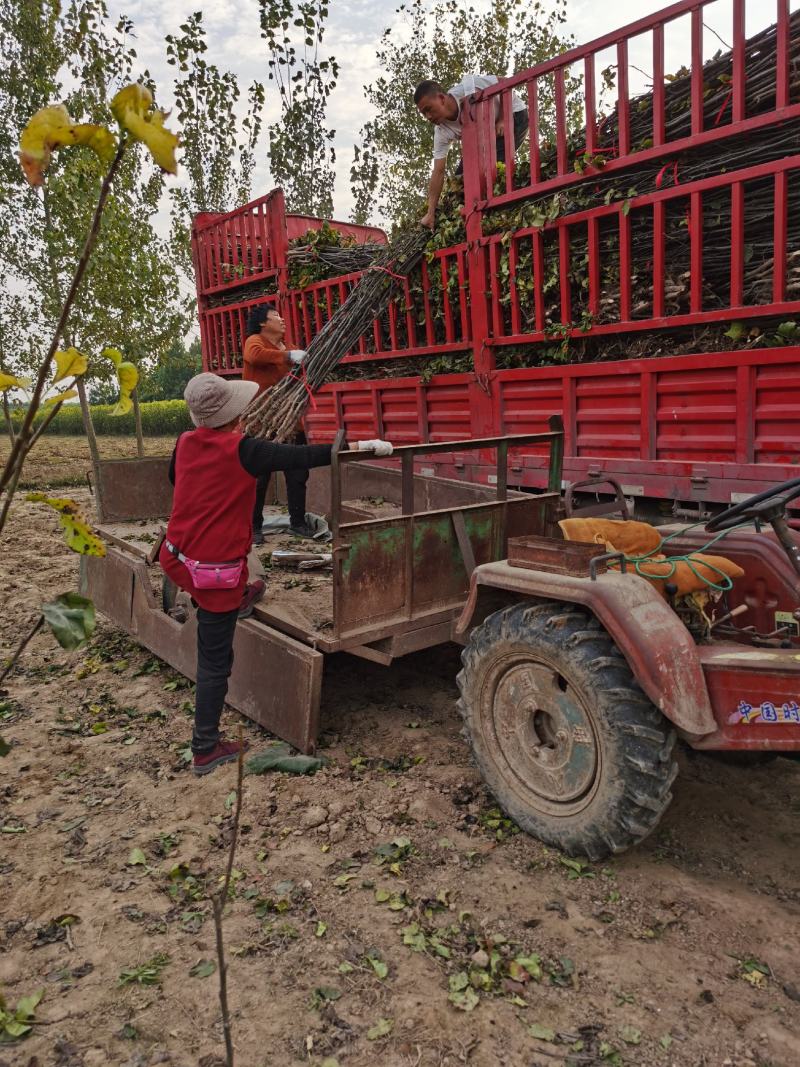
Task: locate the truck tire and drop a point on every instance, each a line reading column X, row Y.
column 564, row 737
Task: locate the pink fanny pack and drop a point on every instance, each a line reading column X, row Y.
column 210, row 575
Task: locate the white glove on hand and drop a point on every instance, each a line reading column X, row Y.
column 380, row 448
column 297, row 355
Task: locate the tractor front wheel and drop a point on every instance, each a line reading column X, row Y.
column 566, row 740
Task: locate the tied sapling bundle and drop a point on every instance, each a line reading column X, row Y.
column 337, row 259
column 274, row 414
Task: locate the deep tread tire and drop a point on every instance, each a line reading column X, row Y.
column 537, row 681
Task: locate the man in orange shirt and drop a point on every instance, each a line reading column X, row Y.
column 266, row 361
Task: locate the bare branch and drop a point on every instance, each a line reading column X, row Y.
column 21, row 648
column 10, row 475
column 218, row 901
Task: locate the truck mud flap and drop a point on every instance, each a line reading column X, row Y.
column 276, row 681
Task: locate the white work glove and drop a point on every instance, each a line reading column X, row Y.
column 380, row 448
column 297, row 355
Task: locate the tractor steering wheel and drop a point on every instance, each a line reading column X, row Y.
column 763, row 507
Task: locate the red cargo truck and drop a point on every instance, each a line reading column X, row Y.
column 689, row 426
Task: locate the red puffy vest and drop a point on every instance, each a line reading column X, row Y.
column 212, row 512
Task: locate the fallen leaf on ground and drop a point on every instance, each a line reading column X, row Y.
column 382, row 1028
column 280, row 758
column 543, row 1033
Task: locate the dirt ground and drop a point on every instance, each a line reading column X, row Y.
column 364, row 895
column 63, row 459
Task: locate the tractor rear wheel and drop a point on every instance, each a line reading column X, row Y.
column 565, row 738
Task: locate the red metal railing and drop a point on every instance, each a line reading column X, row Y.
column 431, row 314
column 634, row 297
column 696, row 426
column 244, row 245
column 611, row 137
column 251, row 243
column 222, row 335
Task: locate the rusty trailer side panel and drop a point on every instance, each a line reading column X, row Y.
column 276, row 681
column 393, row 572
column 133, row 489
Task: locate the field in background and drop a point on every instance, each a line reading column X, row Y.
column 159, row 418
column 59, row 459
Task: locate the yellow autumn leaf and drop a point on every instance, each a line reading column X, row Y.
column 68, row 395
column 136, row 98
column 51, row 128
column 70, row 364
column 133, row 109
column 113, row 354
column 78, row 531
column 128, row 376
column 755, row 978
column 161, row 141
column 9, row 381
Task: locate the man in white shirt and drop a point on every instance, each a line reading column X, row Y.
column 444, row 110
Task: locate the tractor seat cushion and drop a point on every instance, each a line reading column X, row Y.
column 619, row 535
column 637, row 539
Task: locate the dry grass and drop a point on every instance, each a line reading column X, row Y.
column 64, row 460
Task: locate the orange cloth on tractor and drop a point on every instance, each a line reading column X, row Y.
column 638, row 539
column 630, row 537
column 684, row 577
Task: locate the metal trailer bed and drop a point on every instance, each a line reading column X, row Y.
column 399, row 582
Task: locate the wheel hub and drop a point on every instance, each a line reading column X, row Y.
column 544, row 732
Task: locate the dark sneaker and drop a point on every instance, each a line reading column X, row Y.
column 222, row 752
column 302, row 530
column 252, row 593
column 258, row 536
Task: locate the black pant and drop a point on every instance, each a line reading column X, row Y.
column 215, row 630
column 295, row 491
column 520, row 129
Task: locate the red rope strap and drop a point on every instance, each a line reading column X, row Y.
column 303, row 379
column 667, row 166
column 386, row 270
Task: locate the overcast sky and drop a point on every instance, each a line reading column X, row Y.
column 354, row 28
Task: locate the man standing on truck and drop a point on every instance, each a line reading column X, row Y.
column 444, row 110
column 266, row 361
column 215, row 471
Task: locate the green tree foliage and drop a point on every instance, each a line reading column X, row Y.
column 365, row 174
column 442, row 40
column 164, row 380
column 219, row 147
column 73, row 52
column 302, row 156
column 168, row 380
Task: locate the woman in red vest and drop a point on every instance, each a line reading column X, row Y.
column 215, row 470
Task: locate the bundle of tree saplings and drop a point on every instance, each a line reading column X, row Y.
column 274, row 414
column 312, row 261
